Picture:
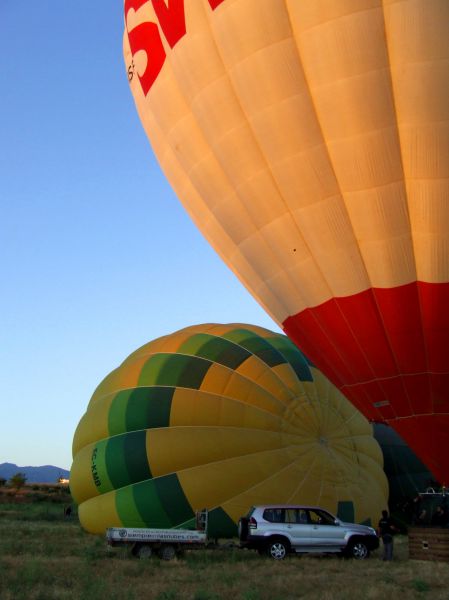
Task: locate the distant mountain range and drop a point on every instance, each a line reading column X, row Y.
column 44, row 474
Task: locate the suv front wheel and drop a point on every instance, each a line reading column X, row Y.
column 357, row 549
column 278, row 548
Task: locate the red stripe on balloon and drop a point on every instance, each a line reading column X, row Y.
column 428, row 436
column 387, row 350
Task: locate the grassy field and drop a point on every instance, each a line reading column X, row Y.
column 45, row 556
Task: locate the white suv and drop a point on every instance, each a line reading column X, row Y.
column 278, row 529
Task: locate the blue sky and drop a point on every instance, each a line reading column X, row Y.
column 98, row 256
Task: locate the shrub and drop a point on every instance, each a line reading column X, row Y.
column 18, row 480
column 420, row 586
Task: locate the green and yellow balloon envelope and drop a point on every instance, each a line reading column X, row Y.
column 220, row 417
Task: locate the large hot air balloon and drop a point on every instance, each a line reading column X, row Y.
column 309, row 141
column 222, row 417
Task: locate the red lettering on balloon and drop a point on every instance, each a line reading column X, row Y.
column 135, row 4
column 215, row 3
column 146, row 37
column 171, row 19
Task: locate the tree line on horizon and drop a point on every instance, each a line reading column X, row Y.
column 18, row 480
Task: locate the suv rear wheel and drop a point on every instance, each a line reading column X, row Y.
column 278, row 548
column 357, row 549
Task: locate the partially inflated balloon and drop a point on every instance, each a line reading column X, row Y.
column 220, row 417
column 406, row 474
column 309, row 141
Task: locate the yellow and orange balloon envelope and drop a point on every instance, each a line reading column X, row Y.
column 309, row 141
column 221, row 417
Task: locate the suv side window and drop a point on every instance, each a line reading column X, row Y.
column 296, row 515
column 274, row 515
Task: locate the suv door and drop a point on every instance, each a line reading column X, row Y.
column 325, row 532
column 298, row 527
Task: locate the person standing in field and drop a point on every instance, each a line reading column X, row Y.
column 385, row 530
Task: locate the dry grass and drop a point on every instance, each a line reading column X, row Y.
column 45, row 560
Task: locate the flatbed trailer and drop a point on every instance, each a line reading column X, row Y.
column 166, row 543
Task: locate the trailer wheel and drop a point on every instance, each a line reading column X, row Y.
column 167, row 552
column 142, row 551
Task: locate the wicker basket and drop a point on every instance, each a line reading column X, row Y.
column 428, row 543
